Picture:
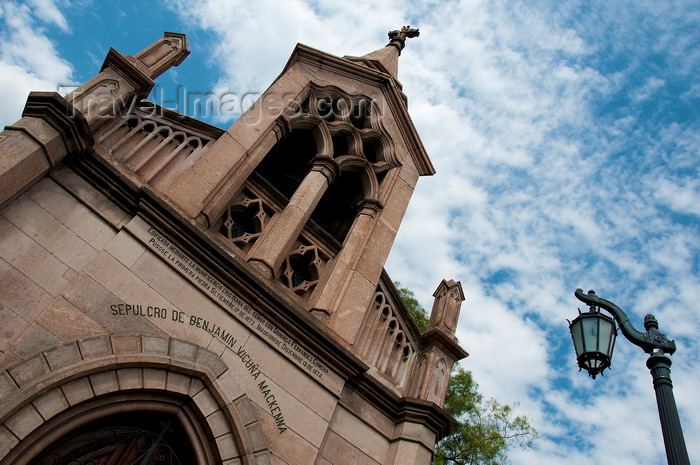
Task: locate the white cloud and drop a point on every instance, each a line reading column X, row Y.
column 28, row 59
column 683, row 198
column 249, row 31
column 15, row 85
column 48, row 11
column 648, row 89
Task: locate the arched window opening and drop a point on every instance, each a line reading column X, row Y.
column 369, row 150
column 360, row 113
column 285, row 166
column 326, row 109
column 132, row 438
column 340, row 145
column 336, row 211
column 406, row 353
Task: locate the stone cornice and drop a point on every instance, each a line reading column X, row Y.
column 400, row 409
column 60, row 115
column 434, row 337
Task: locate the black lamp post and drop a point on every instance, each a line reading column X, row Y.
column 594, row 334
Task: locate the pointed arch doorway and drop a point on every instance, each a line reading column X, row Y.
column 132, row 438
column 136, row 429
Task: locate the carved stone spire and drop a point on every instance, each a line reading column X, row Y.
column 448, row 301
column 439, row 346
column 398, row 38
column 387, row 58
column 169, row 51
column 124, row 78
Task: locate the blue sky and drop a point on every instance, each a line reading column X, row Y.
column 565, row 135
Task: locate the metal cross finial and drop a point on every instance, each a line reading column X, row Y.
column 398, row 38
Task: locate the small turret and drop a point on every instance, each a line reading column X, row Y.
column 439, row 347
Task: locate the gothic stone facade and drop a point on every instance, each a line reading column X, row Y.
column 175, row 293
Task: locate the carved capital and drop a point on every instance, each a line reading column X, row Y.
column 370, row 207
column 326, row 166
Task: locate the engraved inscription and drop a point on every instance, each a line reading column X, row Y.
column 156, row 312
column 236, row 306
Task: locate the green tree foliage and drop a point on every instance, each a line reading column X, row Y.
column 420, row 316
column 482, row 429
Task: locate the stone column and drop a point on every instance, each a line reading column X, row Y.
column 331, row 294
column 269, row 250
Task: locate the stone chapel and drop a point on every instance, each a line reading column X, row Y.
column 173, row 293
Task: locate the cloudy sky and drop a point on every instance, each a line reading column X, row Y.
column 565, row 135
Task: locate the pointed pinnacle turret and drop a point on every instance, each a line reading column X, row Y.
column 387, row 58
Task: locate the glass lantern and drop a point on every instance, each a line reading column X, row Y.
column 594, row 339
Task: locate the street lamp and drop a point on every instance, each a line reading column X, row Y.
column 594, row 334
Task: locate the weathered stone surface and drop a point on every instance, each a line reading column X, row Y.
column 77, row 391
column 218, row 423
column 340, row 450
column 126, row 344
column 104, row 382
column 67, row 322
column 23, row 253
column 154, row 379
column 227, row 447
column 29, row 370
column 71, row 213
column 95, row 347
column 62, row 356
column 51, row 403
column 205, row 402
column 7, row 441
column 178, row 383
column 211, row 362
column 155, row 345
column 13, row 326
column 130, row 378
column 50, row 233
column 36, row 338
column 21, row 294
column 125, row 248
column 183, row 350
column 7, row 385
column 24, row 421
column 22, row 162
column 92, row 198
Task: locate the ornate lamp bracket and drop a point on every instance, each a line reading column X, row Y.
column 650, row 341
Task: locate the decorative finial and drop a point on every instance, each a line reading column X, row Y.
column 398, row 38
